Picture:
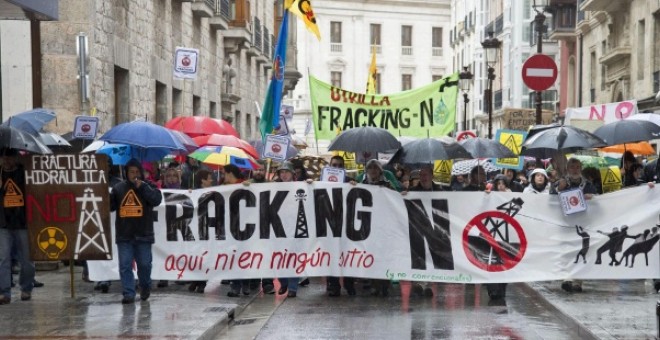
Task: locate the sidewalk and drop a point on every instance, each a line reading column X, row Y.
column 605, row 310
column 171, row 312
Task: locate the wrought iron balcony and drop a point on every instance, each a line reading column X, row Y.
column 203, row 8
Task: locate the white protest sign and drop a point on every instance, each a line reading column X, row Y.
column 607, row 113
column 330, row 174
column 85, row 127
column 276, row 147
column 185, row 62
column 572, row 201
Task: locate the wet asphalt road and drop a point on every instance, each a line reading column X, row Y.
column 456, row 312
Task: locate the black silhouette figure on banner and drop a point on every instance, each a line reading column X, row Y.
column 585, row 244
column 613, row 245
column 643, row 244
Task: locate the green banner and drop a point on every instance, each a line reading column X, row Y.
column 428, row 111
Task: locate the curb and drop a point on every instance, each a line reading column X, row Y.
column 581, row 330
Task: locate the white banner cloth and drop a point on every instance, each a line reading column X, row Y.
column 322, row 229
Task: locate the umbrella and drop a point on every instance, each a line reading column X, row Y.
column 226, row 140
column 53, row 139
column 143, row 136
column 650, row 117
column 187, row 142
column 223, row 155
column 427, row 151
column 560, row 139
column 195, row 126
column 31, row 121
column 641, row 148
column 364, row 139
column 258, row 145
column 464, row 167
column 120, row 154
column 627, row 131
column 229, row 129
column 13, row 138
column 486, row 148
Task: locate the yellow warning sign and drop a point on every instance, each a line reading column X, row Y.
column 442, row 170
column 130, row 205
column 610, row 179
column 513, row 140
column 13, row 195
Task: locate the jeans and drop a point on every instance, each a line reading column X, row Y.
column 141, row 253
column 18, row 237
column 291, row 283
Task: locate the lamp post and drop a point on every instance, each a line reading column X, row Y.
column 491, row 46
column 540, row 29
column 464, row 79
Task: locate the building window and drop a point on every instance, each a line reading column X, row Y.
column 436, row 41
column 436, row 77
column 374, row 37
column 406, row 40
column 335, row 79
column 641, row 49
column 335, row 36
column 406, row 82
column 378, row 83
column 603, row 68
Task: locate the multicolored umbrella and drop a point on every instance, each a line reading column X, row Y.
column 226, row 140
column 195, row 126
column 223, row 155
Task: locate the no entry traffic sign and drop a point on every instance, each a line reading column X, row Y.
column 484, row 245
column 539, row 72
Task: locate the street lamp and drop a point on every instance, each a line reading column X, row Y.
column 464, row 79
column 491, row 47
column 540, row 29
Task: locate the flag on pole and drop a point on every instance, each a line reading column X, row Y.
column 303, row 9
column 270, row 116
column 371, row 78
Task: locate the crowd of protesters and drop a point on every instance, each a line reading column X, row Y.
column 135, row 235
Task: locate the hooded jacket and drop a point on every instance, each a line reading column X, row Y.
column 134, row 207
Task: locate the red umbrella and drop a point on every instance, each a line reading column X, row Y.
column 226, row 140
column 195, row 126
column 228, row 128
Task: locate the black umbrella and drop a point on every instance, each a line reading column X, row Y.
column 427, row 151
column 364, row 139
column 486, row 148
column 13, row 138
column 627, row 131
column 560, row 139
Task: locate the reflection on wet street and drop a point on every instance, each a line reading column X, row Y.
column 457, row 311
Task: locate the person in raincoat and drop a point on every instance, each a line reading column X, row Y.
column 538, row 182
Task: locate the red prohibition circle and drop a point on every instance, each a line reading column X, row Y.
column 509, row 261
column 85, row 127
column 465, row 135
column 276, row 148
column 185, row 61
column 573, row 201
column 333, row 178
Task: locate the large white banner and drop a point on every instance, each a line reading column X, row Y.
column 321, row 229
column 594, row 116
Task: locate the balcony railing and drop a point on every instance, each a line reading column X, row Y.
column 266, row 49
column 335, row 47
column 256, row 33
column 406, row 50
column 223, row 9
column 210, row 3
column 437, row 51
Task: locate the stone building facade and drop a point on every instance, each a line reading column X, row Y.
column 131, row 57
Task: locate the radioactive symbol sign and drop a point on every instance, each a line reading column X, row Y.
column 13, row 195
column 130, row 205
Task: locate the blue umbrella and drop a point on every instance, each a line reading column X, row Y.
column 31, row 121
column 120, row 154
column 143, row 136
